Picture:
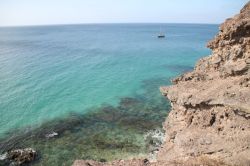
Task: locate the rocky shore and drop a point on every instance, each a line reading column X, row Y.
column 210, row 114
column 210, row 119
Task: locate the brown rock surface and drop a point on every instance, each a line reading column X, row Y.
column 198, row 161
column 211, row 105
column 210, row 119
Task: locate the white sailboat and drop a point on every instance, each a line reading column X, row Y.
column 161, row 34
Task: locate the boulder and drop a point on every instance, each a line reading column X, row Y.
column 21, row 156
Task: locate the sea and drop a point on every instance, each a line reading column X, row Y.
column 91, row 91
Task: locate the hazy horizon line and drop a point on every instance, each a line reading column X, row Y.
column 103, row 23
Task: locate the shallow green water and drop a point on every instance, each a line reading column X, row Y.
column 96, row 85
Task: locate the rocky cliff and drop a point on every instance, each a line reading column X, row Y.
column 210, row 119
column 210, row 114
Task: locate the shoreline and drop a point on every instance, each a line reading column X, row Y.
column 209, row 122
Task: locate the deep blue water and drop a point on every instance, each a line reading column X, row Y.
column 51, row 72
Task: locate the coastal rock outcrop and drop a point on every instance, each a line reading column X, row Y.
column 209, row 123
column 211, row 105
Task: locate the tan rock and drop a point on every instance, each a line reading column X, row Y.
column 211, row 105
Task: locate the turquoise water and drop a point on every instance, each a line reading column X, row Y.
column 49, row 73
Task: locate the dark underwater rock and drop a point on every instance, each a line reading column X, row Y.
column 128, row 102
column 21, row 156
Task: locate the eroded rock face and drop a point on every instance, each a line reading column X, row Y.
column 211, row 105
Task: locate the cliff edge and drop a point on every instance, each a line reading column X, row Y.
column 210, row 114
column 209, row 123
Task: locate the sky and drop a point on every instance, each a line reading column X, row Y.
column 46, row 12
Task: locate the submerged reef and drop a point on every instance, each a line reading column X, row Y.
column 103, row 134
